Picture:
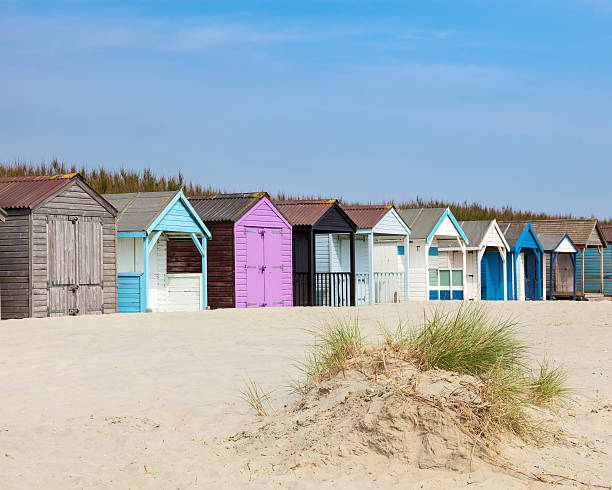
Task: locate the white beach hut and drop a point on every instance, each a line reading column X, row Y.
column 381, row 254
column 437, row 264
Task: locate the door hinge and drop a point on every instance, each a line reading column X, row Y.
column 49, row 311
column 279, row 302
column 96, row 309
column 250, row 267
column 277, row 267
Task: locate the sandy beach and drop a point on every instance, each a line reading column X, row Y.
column 150, row 400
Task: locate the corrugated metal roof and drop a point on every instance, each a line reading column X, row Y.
column 607, row 231
column 225, row 207
column 304, row 212
column 137, row 210
column 27, row 192
column 421, row 221
column 578, row 229
column 367, row 216
column 475, row 230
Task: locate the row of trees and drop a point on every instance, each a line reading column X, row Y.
column 113, row 181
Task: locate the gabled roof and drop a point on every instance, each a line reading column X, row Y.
column 308, row 212
column 425, row 221
column 225, row 207
column 513, row 231
column 607, row 232
column 137, row 210
column 26, row 192
column 579, row 229
column 367, row 216
column 142, row 211
column 550, row 241
column 476, row 231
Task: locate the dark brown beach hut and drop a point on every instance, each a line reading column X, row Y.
column 319, row 280
column 57, row 248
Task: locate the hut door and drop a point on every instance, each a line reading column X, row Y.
column 531, row 276
column 61, row 264
column 89, row 295
column 255, row 267
column 273, row 267
column 491, row 276
column 564, row 274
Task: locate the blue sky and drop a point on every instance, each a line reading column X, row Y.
column 495, row 101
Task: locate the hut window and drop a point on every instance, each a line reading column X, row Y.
column 457, row 278
column 433, row 277
column 400, row 250
column 444, row 278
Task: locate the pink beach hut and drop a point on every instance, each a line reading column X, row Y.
column 250, row 254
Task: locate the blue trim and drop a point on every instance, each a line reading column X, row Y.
column 455, row 223
column 194, row 215
column 144, row 284
column 458, row 295
column 130, row 234
column 204, row 275
column 433, row 252
column 433, row 294
column 153, row 240
column 445, row 294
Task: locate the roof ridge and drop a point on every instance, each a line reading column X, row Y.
column 34, row 178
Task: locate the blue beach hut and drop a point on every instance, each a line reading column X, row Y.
column 524, row 264
column 148, row 277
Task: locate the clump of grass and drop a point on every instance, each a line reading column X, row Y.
column 468, row 341
column 398, row 339
column 548, row 385
column 335, row 345
column 255, row 396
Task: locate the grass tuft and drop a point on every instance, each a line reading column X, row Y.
column 337, row 343
column 548, row 385
column 468, row 341
column 256, row 397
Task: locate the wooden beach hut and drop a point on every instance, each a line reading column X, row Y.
column 250, row 262
column 607, row 252
column 524, row 264
column 486, row 261
column 437, row 265
column 381, row 253
column 321, row 278
column 57, row 248
column 591, row 243
column 150, row 276
column 559, row 266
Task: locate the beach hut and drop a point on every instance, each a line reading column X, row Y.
column 150, row 275
column 437, row 254
column 381, row 253
column 485, row 261
column 607, row 231
column 57, row 248
column 524, row 264
column 589, row 239
column 322, row 275
column 559, row 265
column 250, row 262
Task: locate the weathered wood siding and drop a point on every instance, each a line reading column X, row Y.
column 15, row 264
column 73, row 200
column 221, row 281
column 183, row 257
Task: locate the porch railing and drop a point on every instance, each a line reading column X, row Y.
column 389, row 287
column 332, row 289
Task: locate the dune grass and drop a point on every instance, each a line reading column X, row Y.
column 548, row 385
column 469, row 341
column 255, row 396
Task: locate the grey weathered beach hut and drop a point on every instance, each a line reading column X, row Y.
column 57, row 248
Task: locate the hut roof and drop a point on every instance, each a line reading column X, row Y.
column 304, row 212
column 580, row 230
column 367, row 216
column 607, row 232
column 422, row 221
column 512, row 231
column 475, row 230
column 550, row 241
column 26, row 192
column 225, row 207
column 137, row 210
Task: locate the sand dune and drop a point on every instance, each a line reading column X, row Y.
column 151, row 400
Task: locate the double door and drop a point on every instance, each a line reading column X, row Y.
column 75, row 265
column 532, row 284
column 264, row 267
